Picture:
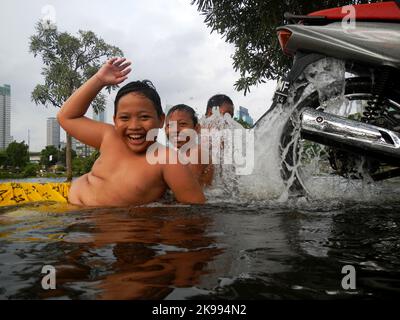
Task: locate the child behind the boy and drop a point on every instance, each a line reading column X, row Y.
column 180, row 120
column 122, row 175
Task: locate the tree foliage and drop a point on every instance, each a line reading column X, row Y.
column 68, row 62
column 62, row 156
column 49, row 156
column 31, row 170
column 3, row 158
column 251, row 26
column 91, row 160
column 17, row 154
column 84, row 165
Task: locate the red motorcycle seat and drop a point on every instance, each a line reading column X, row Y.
column 374, row 11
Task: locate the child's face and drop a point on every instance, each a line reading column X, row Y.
column 224, row 108
column 183, row 122
column 136, row 115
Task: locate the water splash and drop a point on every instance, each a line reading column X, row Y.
column 328, row 78
column 225, row 180
column 265, row 184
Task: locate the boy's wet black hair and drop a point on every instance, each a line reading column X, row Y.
column 217, row 101
column 145, row 88
column 185, row 108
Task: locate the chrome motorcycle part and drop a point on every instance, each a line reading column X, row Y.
column 356, row 137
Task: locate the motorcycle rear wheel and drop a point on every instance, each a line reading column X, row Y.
column 300, row 157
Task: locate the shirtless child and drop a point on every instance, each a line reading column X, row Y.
column 122, row 175
column 180, row 118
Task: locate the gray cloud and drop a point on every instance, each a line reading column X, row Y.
column 166, row 40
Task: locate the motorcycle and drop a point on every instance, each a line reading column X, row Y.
column 351, row 123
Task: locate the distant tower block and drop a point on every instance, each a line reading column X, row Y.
column 5, row 116
column 53, row 132
column 245, row 116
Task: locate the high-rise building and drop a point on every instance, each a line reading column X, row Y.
column 245, row 116
column 53, row 132
column 101, row 116
column 81, row 149
column 5, row 116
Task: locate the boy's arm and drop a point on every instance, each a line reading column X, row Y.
column 207, row 174
column 71, row 116
column 183, row 184
column 207, row 170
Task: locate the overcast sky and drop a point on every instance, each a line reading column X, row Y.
column 167, row 41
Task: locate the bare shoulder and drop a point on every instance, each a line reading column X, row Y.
column 109, row 136
column 109, row 130
column 180, row 179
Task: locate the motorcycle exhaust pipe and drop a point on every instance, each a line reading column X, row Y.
column 353, row 136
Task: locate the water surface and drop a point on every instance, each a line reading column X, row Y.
column 226, row 251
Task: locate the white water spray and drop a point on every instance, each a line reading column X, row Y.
column 327, row 77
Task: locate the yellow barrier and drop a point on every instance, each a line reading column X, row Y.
column 13, row 193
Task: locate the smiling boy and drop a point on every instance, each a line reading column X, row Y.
column 181, row 119
column 122, row 175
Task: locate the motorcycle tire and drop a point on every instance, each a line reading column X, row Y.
column 357, row 88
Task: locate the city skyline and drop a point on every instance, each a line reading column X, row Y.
column 54, row 131
column 167, row 41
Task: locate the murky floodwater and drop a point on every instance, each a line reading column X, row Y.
column 218, row 251
column 251, row 241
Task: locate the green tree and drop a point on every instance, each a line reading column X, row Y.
column 250, row 25
column 17, row 154
column 49, row 156
column 3, row 158
column 63, row 156
column 30, row 170
column 68, row 62
column 78, row 165
column 84, row 165
column 89, row 161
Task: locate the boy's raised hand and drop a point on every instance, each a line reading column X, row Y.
column 114, row 71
